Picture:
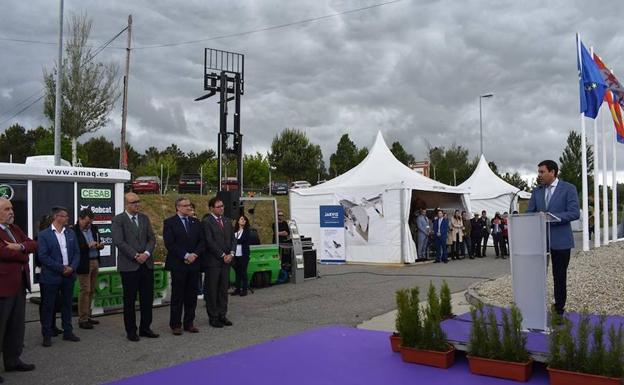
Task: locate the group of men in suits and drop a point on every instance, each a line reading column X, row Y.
column 192, row 247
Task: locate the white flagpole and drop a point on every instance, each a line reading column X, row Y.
column 605, row 198
column 614, row 213
column 596, row 188
column 583, row 159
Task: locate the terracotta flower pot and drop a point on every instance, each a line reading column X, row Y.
column 563, row 377
column 429, row 357
column 395, row 342
column 517, row 371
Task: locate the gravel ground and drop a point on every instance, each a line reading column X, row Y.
column 595, row 282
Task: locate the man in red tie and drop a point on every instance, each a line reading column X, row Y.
column 15, row 247
column 216, row 263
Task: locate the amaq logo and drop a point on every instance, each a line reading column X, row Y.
column 6, row 191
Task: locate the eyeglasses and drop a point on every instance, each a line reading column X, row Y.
column 134, row 202
column 188, row 205
column 218, row 207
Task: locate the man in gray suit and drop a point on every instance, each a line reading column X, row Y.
column 135, row 241
column 217, row 260
column 422, row 223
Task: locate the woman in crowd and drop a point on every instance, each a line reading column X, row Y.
column 497, row 227
column 241, row 257
column 457, row 235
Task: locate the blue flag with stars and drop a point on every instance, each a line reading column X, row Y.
column 591, row 84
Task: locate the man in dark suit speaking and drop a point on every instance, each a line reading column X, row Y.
column 560, row 199
column 134, row 238
column 184, row 240
column 220, row 239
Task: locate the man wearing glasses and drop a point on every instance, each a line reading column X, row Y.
column 135, row 241
column 219, row 237
column 59, row 255
column 283, row 231
column 184, row 240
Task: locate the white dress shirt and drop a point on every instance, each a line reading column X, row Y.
column 60, row 237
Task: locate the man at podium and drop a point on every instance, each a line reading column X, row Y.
column 560, row 199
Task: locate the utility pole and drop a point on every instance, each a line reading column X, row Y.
column 57, row 102
column 123, row 157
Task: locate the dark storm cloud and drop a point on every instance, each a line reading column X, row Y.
column 414, row 69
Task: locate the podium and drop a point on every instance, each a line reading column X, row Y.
column 528, row 250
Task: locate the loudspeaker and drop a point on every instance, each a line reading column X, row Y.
column 231, row 203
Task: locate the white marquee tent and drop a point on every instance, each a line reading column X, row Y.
column 376, row 195
column 489, row 192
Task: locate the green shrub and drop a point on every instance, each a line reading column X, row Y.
column 494, row 348
column 518, row 339
column 598, row 353
column 401, row 321
column 613, row 360
column 446, row 309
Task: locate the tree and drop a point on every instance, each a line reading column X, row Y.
column 451, row 165
column 100, row 152
column 345, row 157
column 293, row 156
column 89, row 89
column 255, row 171
column 45, row 145
column 399, row 152
column 515, row 180
column 15, row 143
column 570, row 162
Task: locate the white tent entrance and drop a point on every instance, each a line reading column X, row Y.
column 377, row 196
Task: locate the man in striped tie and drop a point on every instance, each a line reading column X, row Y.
column 219, row 237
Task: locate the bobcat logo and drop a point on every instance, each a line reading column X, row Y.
column 6, row 191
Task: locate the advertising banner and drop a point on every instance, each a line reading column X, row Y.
column 332, row 234
column 100, row 198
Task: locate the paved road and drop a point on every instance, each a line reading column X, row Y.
column 345, row 295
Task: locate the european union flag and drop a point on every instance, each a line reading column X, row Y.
column 591, row 84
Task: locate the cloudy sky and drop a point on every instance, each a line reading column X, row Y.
column 412, row 69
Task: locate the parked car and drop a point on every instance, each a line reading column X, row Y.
column 229, row 184
column 277, row 188
column 190, row 183
column 146, row 184
column 300, row 184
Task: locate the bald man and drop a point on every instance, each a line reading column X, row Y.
column 15, row 248
column 135, row 241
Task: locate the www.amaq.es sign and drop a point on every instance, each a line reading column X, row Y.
column 95, row 193
column 6, row 191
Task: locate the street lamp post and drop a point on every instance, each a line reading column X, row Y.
column 481, row 118
column 270, row 185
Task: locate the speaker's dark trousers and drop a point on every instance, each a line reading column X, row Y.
column 560, row 260
column 183, row 297
column 12, row 326
column 215, row 290
column 139, row 282
column 48, row 301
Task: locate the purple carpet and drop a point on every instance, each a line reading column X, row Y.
column 458, row 329
column 330, row 355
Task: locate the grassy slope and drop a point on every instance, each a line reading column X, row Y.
column 158, row 208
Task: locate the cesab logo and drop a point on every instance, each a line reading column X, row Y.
column 6, row 191
column 96, row 193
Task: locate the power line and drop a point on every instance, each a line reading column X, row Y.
column 41, row 92
column 27, row 41
column 280, row 26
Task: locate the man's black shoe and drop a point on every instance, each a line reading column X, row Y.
column 446, row 261
column 71, row 337
column 93, row 321
column 85, row 325
column 148, row 334
column 133, row 337
column 1, row 380
column 20, row 367
column 235, row 292
column 215, row 323
column 47, row 342
column 56, row 331
column 243, row 293
column 225, row 321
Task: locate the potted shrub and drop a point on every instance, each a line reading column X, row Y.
column 571, row 360
column 446, row 310
column 491, row 355
column 425, row 342
column 402, row 301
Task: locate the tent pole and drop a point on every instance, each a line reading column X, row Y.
column 403, row 239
